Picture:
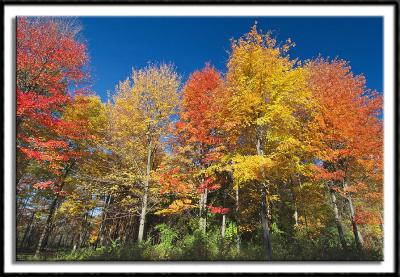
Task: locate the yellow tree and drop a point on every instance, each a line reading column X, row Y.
column 142, row 110
column 80, row 186
column 269, row 99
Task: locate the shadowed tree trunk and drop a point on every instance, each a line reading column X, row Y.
column 52, row 209
column 357, row 235
column 338, row 220
column 46, row 227
column 27, row 230
column 76, row 241
column 130, row 232
column 105, row 224
column 47, row 238
column 59, row 242
column 21, row 211
column 107, row 202
column 71, row 242
column 83, row 231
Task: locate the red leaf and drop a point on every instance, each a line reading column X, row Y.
column 43, row 185
column 218, row 210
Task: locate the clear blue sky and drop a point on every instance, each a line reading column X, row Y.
column 116, row 44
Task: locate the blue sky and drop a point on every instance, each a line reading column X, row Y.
column 116, row 44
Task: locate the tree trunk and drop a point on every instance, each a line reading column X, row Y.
column 357, row 235
column 117, row 229
column 145, row 193
column 59, row 242
column 132, row 231
column 27, row 230
column 222, row 241
column 47, row 227
column 53, row 206
column 237, row 221
column 264, row 207
column 28, row 241
column 103, row 220
column 265, row 224
column 130, row 235
column 66, row 240
column 338, row 220
column 21, row 210
column 223, row 227
column 203, row 211
column 126, row 230
column 83, row 231
column 45, row 243
column 86, row 237
column 71, row 243
column 49, row 242
column 76, row 241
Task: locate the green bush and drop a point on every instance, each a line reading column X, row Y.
column 166, row 249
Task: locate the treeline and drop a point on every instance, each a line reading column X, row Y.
column 275, row 159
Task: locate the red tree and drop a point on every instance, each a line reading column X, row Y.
column 198, row 123
column 198, row 133
column 50, row 61
column 347, row 132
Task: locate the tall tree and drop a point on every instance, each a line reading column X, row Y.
column 268, row 91
column 199, row 130
column 348, row 130
column 144, row 105
column 49, row 60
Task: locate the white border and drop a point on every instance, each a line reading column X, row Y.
column 10, row 11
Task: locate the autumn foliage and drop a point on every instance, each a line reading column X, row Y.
column 49, row 61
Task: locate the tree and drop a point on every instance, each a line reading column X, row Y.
column 87, row 112
column 348, row 132
column 143, row 107
column 199, row 136
column 49, row 60
column 268, row 93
